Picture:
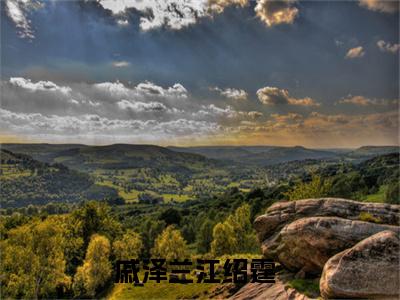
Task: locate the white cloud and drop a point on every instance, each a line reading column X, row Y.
column 275, row 96
column 356, row 52
column 215, row 111
column 231, row 93
column 118, row 6
column 177, row 91
column 145, row 110
column 17, row 11
column 388, row 47
column 116, row 89
column 120, row 64
column 142, row 106
column 39, row 86
column 363, row 101
column 87, row 125
column 385, row 6
column 172, row 14
column 276, row 12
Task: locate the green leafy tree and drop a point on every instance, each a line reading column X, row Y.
column 150, row 229
column 392, row 194
column 32, row 261
column 316, row 188
column 170, row 245
column 90, row 219
column 224, row 240
column 128, row 247
column 96, row 268
column 235, row 234
column 204, row 237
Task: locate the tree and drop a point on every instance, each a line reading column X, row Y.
column 170, row 245
column 204, row 237
column 128, row 247
column 392, row 194
column 96, row 268
column 235, row 234
column 224, row 240
column 243, row 229
column 314, row 189
column 150, row 230
column 92, row 218
column 171, row 216
column 32, row 261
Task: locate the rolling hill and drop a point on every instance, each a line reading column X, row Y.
column 258, row 155
column 116, row 156
column 25, row 181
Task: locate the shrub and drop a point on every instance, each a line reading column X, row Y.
column 367, row 217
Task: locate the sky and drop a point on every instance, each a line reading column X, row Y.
column 322, row 74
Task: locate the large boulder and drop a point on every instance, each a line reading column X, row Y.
column 370, row 269
column 306, row 244
column 282, row 213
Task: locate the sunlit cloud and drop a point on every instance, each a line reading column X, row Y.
column 356, row 52
column 275, row 96
column 385, row 6
column 276, row 12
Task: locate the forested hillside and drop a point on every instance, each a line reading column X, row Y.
column 27, row 181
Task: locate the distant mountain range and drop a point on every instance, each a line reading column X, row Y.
column 268, row 155
column 83, row 157
column 116, row 156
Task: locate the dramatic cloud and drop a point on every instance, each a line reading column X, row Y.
column 172, row 14
column 155, row 14
column 363, row 101
column 356, row 52
column 231, row 93
column 275, row 96
column 17, row 11
column 178, row 14
column 276, row 12
column 120, row 64
column 388, row 47
column 385, row 6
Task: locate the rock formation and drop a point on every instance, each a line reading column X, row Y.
column 355, row 245
column 306, row 244
column 370, row 269
column 282, row 213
